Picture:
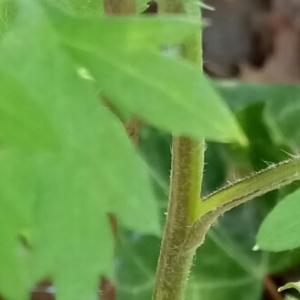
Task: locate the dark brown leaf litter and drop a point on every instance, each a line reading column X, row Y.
column 253, row 40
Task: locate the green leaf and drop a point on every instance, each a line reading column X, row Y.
column 151, row 86
column 15, row 215
column 263, row 149
column 152, row 144
column 280, row 116
column 82, row 136
column 90, row 7
column 7, row 14
column 27, row 127
column 215, row 174
column 71, row 220
column 240, row 95
column 94, row 171
column 136, row 264
column 280, row 230
column 283, row 116
column 233, row 279
column 145, row 83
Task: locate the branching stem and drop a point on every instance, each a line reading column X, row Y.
column 216, row 204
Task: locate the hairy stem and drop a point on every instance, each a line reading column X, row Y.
column 216, row 204
column 186, row 179
column 271, row 178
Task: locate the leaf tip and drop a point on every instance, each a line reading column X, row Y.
column 243, row 140
column 240, row 136
column 256, row 248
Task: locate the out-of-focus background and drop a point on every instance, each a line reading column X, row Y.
column 253, row 40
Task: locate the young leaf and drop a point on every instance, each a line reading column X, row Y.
column 280, row 229
column 167, row 93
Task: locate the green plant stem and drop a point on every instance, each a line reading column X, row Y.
column 185, row 188
column 186, row 177
column 216, row 204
